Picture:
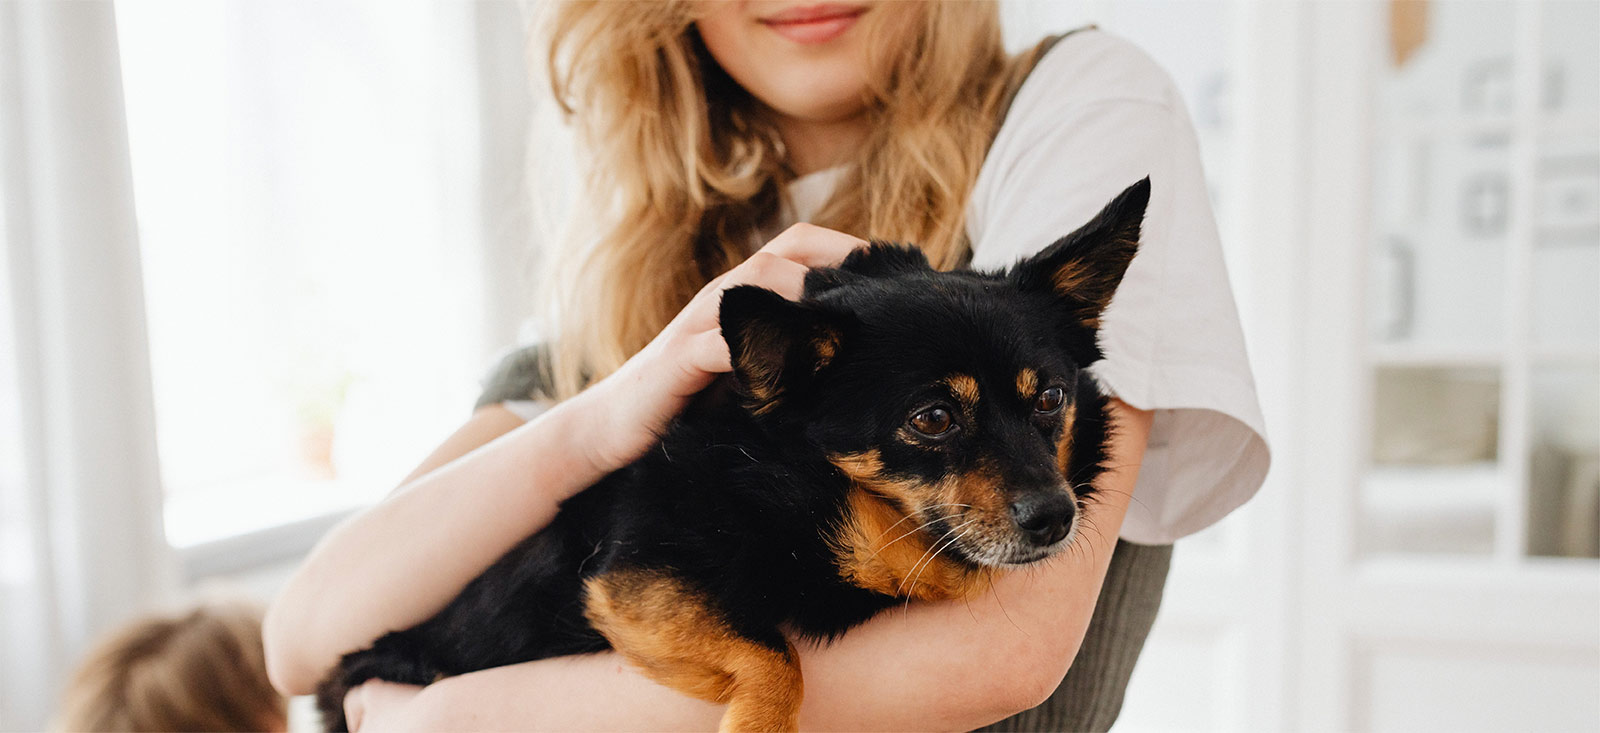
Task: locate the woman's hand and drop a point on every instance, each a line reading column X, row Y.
column 379, row 705
column 628, row 409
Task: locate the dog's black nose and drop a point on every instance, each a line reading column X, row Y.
column 1044, row 518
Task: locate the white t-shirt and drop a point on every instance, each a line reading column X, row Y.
column 1095, row 116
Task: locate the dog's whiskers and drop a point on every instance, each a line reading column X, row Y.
column 1129, row 494
column 909, row 517
column 935, row 549
column 932, row 549
column 900, row 590
column 886, row 545
column 992, row 591
column 935, row 556
column 935, row 520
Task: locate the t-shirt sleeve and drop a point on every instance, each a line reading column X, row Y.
column 1095, row 116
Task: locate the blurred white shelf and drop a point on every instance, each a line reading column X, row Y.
column 1565, row 356
column 1406, row 354
column 244, row 507
column 1410, row 354
column 1445, row 490
column 1528, row 575
column 245, row 525
column 1398, row 127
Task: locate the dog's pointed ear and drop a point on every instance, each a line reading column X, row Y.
column 774, row 342
column 880, row 258
column 1085, row 267
column 822, row 279
column 877, row 259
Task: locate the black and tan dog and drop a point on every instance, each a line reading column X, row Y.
column 898, row 433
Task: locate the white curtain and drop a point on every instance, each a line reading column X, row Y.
column 81, row 544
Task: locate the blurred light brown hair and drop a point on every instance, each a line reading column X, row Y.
column 201, row 670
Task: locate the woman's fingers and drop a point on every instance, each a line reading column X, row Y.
column 771, row 271
column 764, row 269
column 813, row 246
column 781, row 266
column 652, row 386
column 377, row 703
column 709, row 352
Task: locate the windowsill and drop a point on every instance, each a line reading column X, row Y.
column 253, row 550
column 251, row 524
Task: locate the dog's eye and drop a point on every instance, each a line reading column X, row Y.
column 933, row 422
column 1049, row 400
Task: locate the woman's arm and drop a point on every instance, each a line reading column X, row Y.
column 486, row 424
column 399, row 562
column 951, row 665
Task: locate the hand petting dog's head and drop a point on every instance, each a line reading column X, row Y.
column 951, row 397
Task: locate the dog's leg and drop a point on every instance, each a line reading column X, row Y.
column 680, row 638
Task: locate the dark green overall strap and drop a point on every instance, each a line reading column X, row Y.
column 523, row 374
column 1023, row 67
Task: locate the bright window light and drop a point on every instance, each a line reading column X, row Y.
column 313, row 306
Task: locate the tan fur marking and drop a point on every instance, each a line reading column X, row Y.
column 826, row 346
column 671, row 632
column 766, row 407
column 765, row 393
column 760, row 375
column 1027, row 383
column 867, row 464
column 881, row 549
column 1079, row 280
column 980, row 490
column 865, row 469
column 1064, row 446
column 1071, row 277
column 965, row 388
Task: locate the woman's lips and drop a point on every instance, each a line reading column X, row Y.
column 813, row 24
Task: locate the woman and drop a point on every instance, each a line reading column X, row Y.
column 708, row 129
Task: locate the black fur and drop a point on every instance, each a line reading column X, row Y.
column 740, row 499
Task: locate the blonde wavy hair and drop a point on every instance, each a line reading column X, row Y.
column 682, row 168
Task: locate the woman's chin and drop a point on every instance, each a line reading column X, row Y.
column 817, row 98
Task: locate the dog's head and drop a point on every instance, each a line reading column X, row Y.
column 952, row 399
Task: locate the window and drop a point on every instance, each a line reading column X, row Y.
column 307, row 185
column 1483, row 308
